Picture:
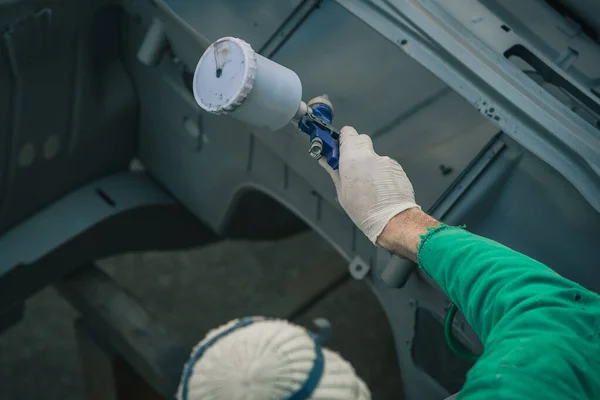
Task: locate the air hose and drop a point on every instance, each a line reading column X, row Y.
column 456, row 347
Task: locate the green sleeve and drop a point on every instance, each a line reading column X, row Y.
column 540, row 330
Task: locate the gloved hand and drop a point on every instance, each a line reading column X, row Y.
column 372, row 189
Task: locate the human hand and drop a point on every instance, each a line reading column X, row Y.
column 371, row 189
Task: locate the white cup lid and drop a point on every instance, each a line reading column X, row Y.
column 224, row 75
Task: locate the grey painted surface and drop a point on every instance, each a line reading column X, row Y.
column 66, row 103
column 463, row 43
column 254, row 21
column 278, row 162
column 375, row 84
column 76, row 213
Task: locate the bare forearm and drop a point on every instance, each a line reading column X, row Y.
column 402, row 234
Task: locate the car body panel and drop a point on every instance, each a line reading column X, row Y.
column 511, row 153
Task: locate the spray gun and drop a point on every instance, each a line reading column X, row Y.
column 231, row 78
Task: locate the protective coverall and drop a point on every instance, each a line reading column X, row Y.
column 540, row 331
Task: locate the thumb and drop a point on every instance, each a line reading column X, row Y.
column 335, row 174
column 351, row 141
column 347, row 133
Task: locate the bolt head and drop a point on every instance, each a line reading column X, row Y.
column 315, row 155
column 316, row 147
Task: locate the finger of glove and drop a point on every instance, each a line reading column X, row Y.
column 352, row 142
column 347, row 133
column 335, row 174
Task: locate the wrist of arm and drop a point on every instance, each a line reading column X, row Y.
column 402, row 234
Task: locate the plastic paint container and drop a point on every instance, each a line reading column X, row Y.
column 231, row 78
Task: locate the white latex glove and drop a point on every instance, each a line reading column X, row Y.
column 372, row 189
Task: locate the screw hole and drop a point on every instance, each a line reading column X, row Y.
column 445, row 170
column 403, row 42
column 505, row 28
column 219, row 72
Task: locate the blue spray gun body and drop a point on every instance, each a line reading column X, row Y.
column 316, row 123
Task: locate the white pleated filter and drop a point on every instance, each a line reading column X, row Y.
column 268, row 360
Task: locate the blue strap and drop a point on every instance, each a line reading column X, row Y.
column 314, row 376
column 305, row 391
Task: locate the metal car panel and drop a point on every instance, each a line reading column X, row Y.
column 378, row 80
column 379, row 90
column 491, row 83
column 254, row 21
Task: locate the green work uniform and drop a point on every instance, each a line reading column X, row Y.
column 540, row 330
